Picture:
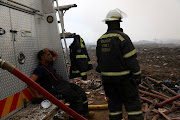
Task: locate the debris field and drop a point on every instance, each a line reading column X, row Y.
column 160, row 87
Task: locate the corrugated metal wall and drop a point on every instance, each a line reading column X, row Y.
column 33, row 34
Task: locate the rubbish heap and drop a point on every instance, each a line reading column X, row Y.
column 160, row 99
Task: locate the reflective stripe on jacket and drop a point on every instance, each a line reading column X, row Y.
column 135, row 112
column 115, row 73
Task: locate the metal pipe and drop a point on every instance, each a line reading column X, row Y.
column 154, row 91
column 23, row 5
column 158, row 82
column 162, row 98
column 175, row 118
column 18, row 8
column 145, row 99
column 154, row 80
column 146, row 108
column 164, row 115
column 151, row 107
column 150, row 86
column 156, row 117
column 153, row 95
column 166, row 112
column 171, row 91
column 7, row 66
column 169, row 101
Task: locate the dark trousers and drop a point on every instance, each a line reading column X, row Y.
column 75, row 95
column 122, row 91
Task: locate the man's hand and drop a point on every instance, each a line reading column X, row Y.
column 137, row 79
column 53, row 53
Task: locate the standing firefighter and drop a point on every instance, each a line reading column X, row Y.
column 120, row 70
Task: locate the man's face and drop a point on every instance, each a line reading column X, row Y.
column 47, row 57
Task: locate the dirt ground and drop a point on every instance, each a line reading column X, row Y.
column 161, row 62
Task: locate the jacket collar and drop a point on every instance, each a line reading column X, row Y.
column 119, row 29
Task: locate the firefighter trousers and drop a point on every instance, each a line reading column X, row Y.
column 122, row 90
column 75, row 95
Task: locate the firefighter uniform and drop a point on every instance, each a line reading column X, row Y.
column 80, row 61
column 117, row 63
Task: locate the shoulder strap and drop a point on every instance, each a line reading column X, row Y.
column 50, row 72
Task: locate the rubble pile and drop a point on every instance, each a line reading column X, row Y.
column 159, row 62
column 159, row 101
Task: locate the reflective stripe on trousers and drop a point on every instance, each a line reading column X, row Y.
column 115, row 73
column 135, row 112
column 137, row 73
column 83, row 73
column 115, row 113
column 75, row 71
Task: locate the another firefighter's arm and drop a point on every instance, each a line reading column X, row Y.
column 34, row 78
column 97, row 54
column 54, row 54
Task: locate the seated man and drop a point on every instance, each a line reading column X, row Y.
column 47, row 77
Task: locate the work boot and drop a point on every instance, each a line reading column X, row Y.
column 89, row 114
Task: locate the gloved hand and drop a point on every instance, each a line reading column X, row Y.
column 137, row 79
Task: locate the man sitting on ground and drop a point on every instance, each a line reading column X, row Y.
column 47, row 77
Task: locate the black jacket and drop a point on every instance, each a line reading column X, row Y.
column 80, row 61
column 116, row 55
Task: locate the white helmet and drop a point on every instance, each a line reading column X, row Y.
column 114, row 15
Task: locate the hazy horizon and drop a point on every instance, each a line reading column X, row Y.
column 146, row 20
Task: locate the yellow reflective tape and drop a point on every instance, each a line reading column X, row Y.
column 81, row 56
column 115, row 113
column 85, row 102
column 129, row 54
column 137, row 73
column 135, row 112
column 83, row 73
column 75, row 71
column 89, row 62
column 7, row 106
column 112, row 35
column 81, row 43
column 108, row 35
column 115, row 73
column 114, row 17
column 120, row 37
column 24, row 97
column 19, row 102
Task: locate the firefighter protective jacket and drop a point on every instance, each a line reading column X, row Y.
column 80, row 61
column 116, row 55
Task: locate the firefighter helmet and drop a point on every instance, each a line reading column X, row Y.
column 114, row 15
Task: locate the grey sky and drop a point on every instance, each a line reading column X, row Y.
column 147, row 19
